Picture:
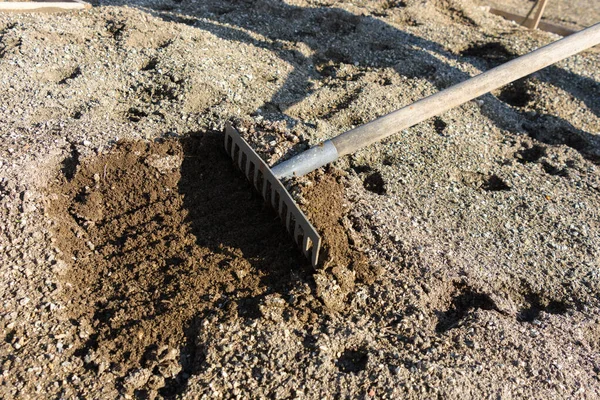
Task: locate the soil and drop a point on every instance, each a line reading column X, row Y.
column 155, row 246
column 460, row 257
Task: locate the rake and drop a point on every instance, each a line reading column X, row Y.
column 267, row 180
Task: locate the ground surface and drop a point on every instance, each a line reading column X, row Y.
column 461, row 257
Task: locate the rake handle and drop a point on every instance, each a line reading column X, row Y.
column 438, row 103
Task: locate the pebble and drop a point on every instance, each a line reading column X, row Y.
column 136, row 379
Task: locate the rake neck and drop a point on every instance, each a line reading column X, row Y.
column 307, row 161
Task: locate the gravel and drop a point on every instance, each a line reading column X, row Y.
column 482, row 224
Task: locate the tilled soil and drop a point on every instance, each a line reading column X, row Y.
column 460, row 257
column 158, row 235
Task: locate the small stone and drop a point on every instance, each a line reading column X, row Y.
column 240, row 274
column 272, row 307
column 89, row 357
column 164, row 164
column 103, row 366
column 156, row 382
column 136, row 379
column 169, row 369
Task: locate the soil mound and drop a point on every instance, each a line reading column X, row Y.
column 160, row 235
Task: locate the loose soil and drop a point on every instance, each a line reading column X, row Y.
column 158, row 235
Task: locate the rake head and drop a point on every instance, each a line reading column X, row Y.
column 274, row 193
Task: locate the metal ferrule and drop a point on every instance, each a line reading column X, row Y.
column 307, row 161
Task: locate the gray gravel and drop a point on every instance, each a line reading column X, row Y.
column 483, row 222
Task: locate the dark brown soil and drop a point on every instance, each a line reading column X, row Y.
column 325, row 208
column 160, row 235
column 340, row 263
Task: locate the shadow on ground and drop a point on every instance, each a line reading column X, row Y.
column 337, row 37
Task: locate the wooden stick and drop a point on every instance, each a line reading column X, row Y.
column 38, row 6
column 544, row 26
column 538, row 14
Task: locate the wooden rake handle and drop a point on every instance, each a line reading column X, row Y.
column 436, row 104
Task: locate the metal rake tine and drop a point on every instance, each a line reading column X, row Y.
column 315, row 252
column 280, row 207
column 226, row 140
column 235, row 148
column 240, row 158
column 255, row 178
column 296, row 231
column 273, row 197
column 264, row 187
column 305, row 241
column 288, row 220
column 247, row 169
